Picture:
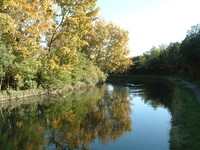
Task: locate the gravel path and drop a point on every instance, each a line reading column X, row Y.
column 193, row 87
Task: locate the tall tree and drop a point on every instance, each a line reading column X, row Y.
column 108, row 47
column 190, row 50
column 73, row 20
column 22, row 24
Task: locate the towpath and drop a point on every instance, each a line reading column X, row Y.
column 193, row 87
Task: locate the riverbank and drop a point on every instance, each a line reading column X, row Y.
column 185, row 132
column 185, row 109
column 13, row 95
column 193, row 87
column 167, row 80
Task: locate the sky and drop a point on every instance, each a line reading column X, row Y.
column 151, row 22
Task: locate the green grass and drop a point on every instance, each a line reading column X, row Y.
column 196, row 82
column 185, row 132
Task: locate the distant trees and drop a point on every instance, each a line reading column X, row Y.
column 190, row 50
column 47, row 44
column 176, row 58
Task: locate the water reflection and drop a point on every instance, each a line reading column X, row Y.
column 154, row 94
column 67, row 121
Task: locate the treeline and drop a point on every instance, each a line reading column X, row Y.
column 57, row 43
column 181, row 59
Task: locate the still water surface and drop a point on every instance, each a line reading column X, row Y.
column 110, row 117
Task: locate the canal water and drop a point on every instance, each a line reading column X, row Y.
column 110, row 117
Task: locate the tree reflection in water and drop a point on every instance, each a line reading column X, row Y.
column 67, row 122
column 154, row 94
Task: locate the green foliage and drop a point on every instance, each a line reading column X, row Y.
column 175, row 59
column 42, row 44
column 190, row 50
column 185, row 132
column 86, row 72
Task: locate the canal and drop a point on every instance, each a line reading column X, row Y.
column 111, row 117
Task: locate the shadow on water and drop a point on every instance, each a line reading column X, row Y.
column 154, row 94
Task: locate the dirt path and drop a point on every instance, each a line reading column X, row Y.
column 193, row 87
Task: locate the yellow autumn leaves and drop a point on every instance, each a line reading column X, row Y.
column 54, row 33
column 108, row 47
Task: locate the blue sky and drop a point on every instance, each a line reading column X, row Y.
column 151, row 22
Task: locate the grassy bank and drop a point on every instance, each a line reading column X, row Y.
column 185, row 132
column 7, row 96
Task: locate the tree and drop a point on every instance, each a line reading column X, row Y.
column 73, row 19
column 190, row 50
column 22, row 24
column 172, row 59
column 44, row 41
column 194, row 31
column 108, row 47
